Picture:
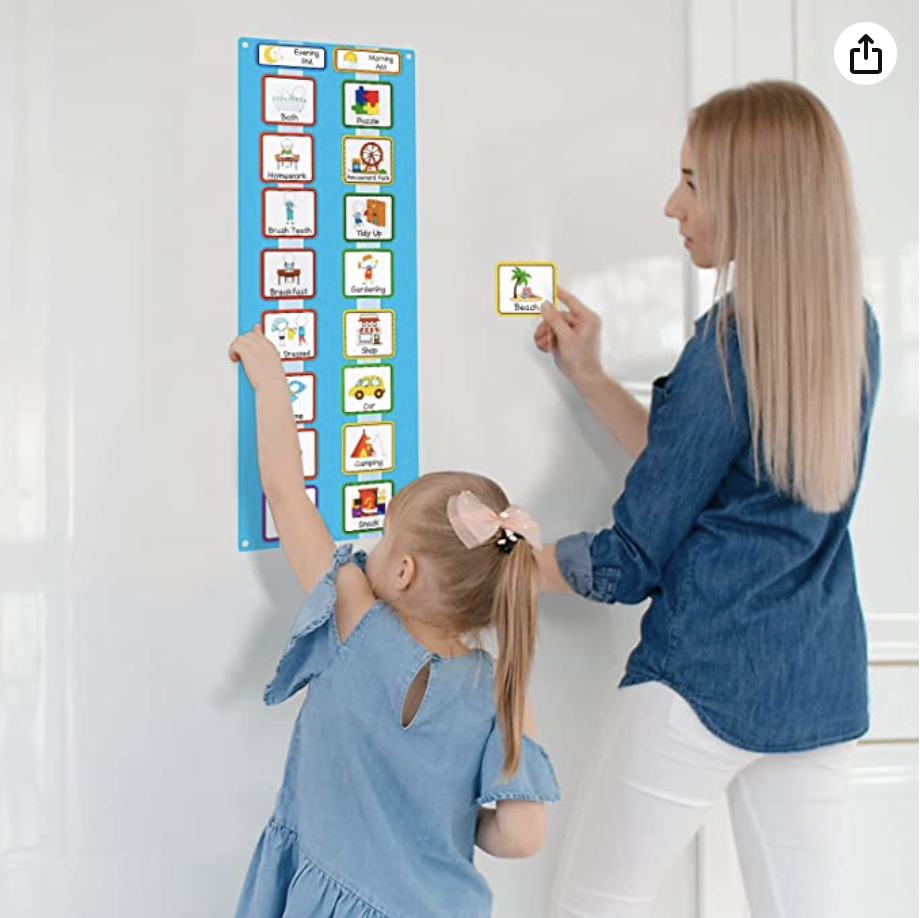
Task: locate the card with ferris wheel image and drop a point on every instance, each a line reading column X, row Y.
column 367, row 160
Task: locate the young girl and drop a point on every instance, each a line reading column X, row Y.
column 408, row 735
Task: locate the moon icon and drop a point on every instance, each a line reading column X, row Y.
column 271, row 54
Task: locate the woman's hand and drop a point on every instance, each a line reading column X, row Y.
column 260, row 358
column 573, row 338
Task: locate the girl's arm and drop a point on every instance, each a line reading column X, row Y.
column 573, row 338
column 305, row 539
column 514, row 828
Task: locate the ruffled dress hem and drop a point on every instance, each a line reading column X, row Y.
column 287, row 883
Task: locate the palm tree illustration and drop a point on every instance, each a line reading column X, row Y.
column 519, row 276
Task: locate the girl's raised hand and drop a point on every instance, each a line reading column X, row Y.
column 259, row 357
column 572, row 337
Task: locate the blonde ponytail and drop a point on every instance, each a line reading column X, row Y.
column 514, row 614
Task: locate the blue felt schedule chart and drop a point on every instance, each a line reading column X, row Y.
column 328, row 269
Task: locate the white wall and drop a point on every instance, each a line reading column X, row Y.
column 137, row 764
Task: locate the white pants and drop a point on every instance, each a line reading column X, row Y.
column 653, row 779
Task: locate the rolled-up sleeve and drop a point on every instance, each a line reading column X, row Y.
column 695, row 432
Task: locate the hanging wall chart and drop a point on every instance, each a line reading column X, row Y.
column 328, row 269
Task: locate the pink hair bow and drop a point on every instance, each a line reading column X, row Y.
column 475, row 523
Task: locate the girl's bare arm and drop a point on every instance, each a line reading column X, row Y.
column 514, row 828
column 304, row 536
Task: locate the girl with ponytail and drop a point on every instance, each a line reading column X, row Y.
column 413, row 747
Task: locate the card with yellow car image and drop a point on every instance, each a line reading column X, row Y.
column 367, row 389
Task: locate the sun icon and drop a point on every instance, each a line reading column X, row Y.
column 351, row 58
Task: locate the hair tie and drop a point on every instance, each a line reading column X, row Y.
column 475, row 523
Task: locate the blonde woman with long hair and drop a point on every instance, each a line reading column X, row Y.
column 750, row 675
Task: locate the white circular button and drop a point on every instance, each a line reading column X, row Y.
column 865, row 53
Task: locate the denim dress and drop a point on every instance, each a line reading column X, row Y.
column 374, row 819
column 755, row 617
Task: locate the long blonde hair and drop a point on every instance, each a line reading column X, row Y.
column 480, row 588
column 776, row 190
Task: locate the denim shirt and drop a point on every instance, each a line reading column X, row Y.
column 755, row 617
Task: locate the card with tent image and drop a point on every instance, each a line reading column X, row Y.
column 368, row 448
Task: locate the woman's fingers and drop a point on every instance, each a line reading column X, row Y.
column 544, row 338
column 542, row 330
column 574, row 304
column 558, row 322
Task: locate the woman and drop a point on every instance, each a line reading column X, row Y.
column 750, row 676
